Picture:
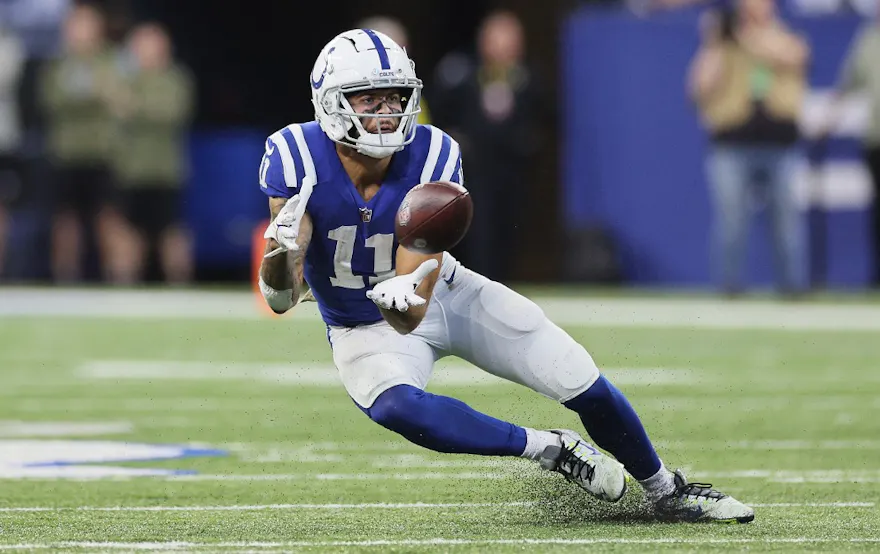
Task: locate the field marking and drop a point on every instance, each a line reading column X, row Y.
column 259, row 507
column 176, row 545
column 813, row 505
column 21, row 429
column 665, row 312
column 784, row 444
column 855, row 403
column 780, row 476
column 387, row 457
column 776, row 476
column 298, row 374
column 368, row 506
column 343, row 476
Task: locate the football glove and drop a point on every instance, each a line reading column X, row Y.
column 284, row 229
column 399, row 293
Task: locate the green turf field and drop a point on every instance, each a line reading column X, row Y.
column 776, row 404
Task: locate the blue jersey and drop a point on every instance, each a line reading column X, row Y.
column 353, row 244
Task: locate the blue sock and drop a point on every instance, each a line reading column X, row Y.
column 613, row 425
column 444, row 424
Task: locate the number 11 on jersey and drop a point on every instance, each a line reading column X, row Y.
column 383, row 249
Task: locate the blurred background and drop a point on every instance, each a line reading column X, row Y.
column 727, row 146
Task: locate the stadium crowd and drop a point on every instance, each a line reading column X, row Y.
column 95, row 112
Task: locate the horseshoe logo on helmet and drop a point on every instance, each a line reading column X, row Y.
column 317, row 84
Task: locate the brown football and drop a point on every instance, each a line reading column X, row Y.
column 433, row 217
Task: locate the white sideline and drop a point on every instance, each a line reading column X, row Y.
column 421, row 542
column 666, row 312
column 368, row 506
column 774, row 476
column 294, row 374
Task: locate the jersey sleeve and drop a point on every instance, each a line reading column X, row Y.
column 286, row 163
column 272, row 178
column 443, row 159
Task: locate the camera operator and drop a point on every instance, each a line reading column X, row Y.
column 748, row 80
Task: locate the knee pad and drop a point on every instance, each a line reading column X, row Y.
column 397, row 408
column 501, row 311
column 560, row 367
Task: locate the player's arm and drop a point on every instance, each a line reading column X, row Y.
column 281, row 276
column 409, row 263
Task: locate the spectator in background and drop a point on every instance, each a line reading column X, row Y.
column 748, row 79
column 153, row 107
column 861, row 73
column 80, row 130
column 37, row 25
column 11, row 64
column 397, row 32
column 492, row 107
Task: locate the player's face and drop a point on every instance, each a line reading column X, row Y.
column 378, row 101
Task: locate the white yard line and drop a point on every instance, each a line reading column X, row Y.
column 259, row 507
column 786, row 444
column 781, row 476
column 343, row 476
column 368, row 506
column 814, row 505
column 781, row 402
column 295, row 374
column 681, row 312
column 425, row 542
column 14, row 429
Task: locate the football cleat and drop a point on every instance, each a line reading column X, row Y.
column 580, row 463
column 700, row 502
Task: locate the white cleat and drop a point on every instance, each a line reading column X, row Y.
column 700, row 502
column 598, row 474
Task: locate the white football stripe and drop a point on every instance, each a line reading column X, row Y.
column 305, row 154
column 454, row 152
column 433, row 154
column 286, row 159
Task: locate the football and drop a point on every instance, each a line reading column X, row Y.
column 433, row 217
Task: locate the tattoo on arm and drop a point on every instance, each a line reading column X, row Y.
column 285, row 271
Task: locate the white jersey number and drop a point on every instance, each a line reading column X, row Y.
column 383, row 249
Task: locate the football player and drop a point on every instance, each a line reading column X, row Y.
column 334, row 187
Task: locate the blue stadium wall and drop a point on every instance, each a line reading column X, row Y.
column 634, row 151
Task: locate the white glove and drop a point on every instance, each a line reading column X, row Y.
column 398, row 293
column 284, row 229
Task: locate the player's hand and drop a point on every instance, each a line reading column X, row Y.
column 399, row 293
column 284, row 229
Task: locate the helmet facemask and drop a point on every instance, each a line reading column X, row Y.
column 379, row 143
column 359, row 61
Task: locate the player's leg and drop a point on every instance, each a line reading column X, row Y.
column 509, row 336
column 385, row 373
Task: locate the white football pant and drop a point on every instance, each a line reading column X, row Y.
column 474, row 318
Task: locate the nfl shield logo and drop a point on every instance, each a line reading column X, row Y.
column 366, row 214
